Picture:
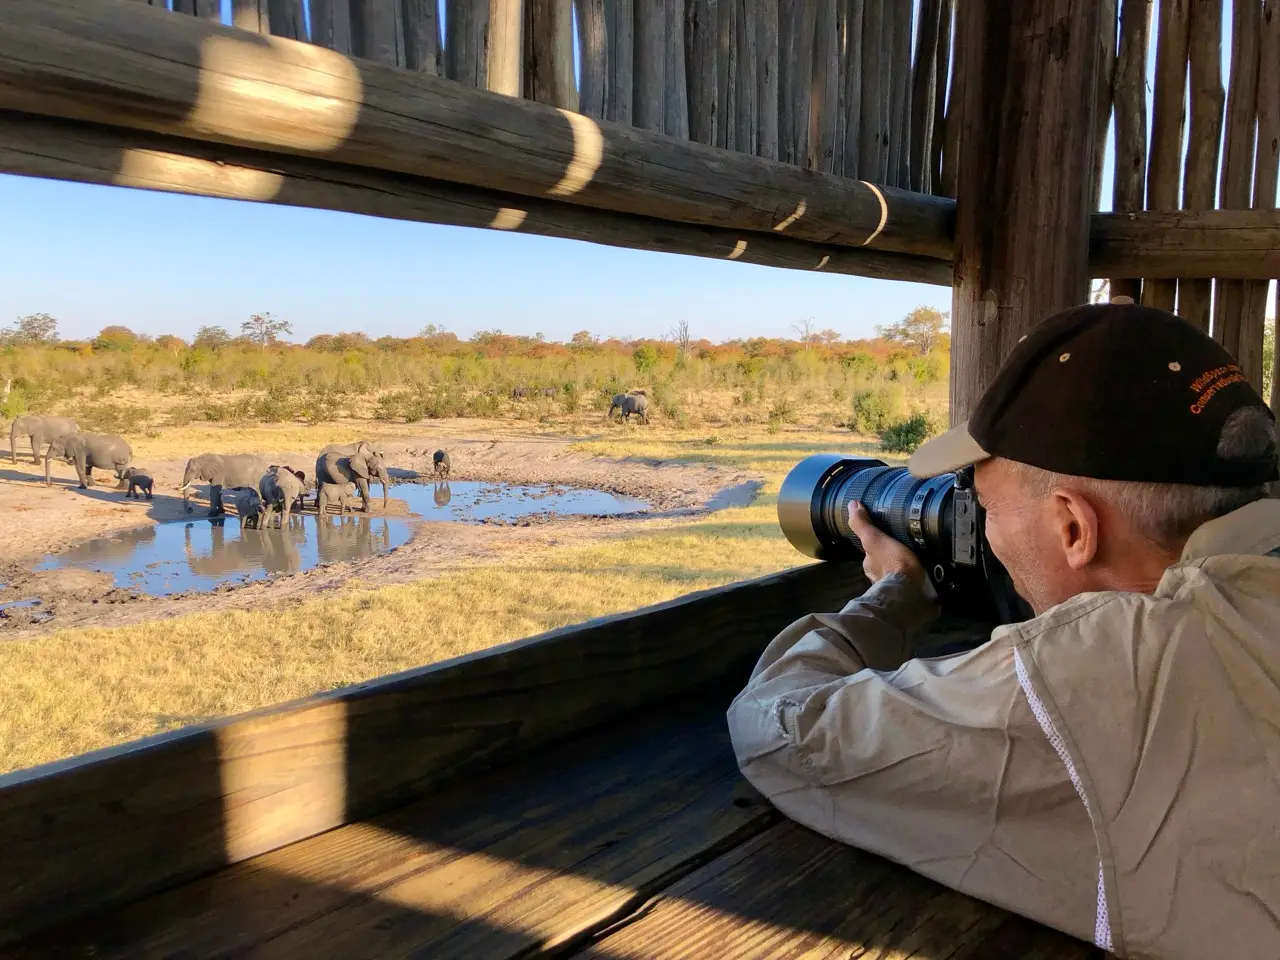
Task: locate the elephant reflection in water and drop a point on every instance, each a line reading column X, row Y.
column 351, row 538
column 120, row 546
column 275, row 551
column 442, row 494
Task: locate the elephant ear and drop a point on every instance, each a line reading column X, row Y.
column 360, row 466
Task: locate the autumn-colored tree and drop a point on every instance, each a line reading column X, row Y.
column 33, row 329
column 115, row 337
column 264, row 329
column 211, row 338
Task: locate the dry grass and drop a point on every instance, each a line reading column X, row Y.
column 78, row 690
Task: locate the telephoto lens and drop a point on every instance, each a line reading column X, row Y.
column 937, row 518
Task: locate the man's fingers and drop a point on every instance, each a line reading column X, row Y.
column 861, row 523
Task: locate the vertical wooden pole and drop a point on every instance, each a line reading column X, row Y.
column 1167, row 119
column 209, row 10
column 727, row 73
column 1131, row 121
column 767, row 78
column 900, row 95
column 422, row 36
column 548, row 62
column 955, row 110
column 650, row 65
column 701, row 31
column 824, row 86
column 1237, row 157
column 871, row 123
column 504, row 61
column 1265, row 169
column 942, row 74
column 1022, row 210
column 373, row 29
column 593, row 92
column 1106, row 84
column 796, row 84
column 747, row 120
column 923, row 91
column 466, row 48
column 331, row 24
column 287, row 19
column 620, row 32
column 675, row 82
column 850, row 85
column 184, row 6
column 1203, row 140
column 249, row 15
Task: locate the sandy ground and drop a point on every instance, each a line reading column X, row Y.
column 39, row 521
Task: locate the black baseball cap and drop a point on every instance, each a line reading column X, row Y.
column 1112, row 391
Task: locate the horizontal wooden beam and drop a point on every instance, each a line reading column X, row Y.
column 136, row 67
column 92, row 153
column 1232, row 244
column 112, row 826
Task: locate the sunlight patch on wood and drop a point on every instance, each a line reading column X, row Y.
column 508, row 218
column 884, row 211
column 151, row 169
column 739, row 249
column 801, row 207
column 588, row 154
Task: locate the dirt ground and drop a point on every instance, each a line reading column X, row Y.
column 39, row 521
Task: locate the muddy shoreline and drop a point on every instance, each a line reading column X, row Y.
column 45, row 521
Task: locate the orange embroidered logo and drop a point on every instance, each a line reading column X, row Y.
column 1213, row 381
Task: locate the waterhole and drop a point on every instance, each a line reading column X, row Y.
column 472, row 500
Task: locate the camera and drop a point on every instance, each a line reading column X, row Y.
column 937, row 518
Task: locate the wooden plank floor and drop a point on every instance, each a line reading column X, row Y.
column 560, row 854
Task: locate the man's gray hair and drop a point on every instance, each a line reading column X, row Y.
column 1167, row 513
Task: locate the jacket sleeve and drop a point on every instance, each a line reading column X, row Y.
column 934, row 763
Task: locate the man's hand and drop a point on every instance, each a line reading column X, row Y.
column 884, row 555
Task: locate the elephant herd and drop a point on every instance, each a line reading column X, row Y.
column 61, row 438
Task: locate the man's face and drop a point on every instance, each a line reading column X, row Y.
column 1025, row 535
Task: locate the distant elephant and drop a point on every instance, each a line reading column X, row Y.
column 519, row 393
column 39, row 431
column 637, row 404
column 356, row 463
column 279, row 488
column 617, row 403
column 222, row 472
column 103, row 451
column 327, row 493
column 440, row 461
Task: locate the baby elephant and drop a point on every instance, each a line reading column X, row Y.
column 280, row 488
column 327, row 493
column 440, row 459
column 249, row 509
column 137, row 481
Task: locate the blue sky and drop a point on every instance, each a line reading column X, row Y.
column 164, row 263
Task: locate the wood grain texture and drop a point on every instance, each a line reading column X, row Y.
column 1237, row 158
column 942, row 75
column 286, row 19
column 923, row 92
column 1237, row 244
column 1204, row 134
column 331, row 24
column 1167, row 120
column 1265, row 168
column 702, row 27
column 850, row 118
column 1022, row 214
column 650, row 64
column 675, row 85
column 594, row 44
column 1131, row 121
column 746, row 119
column 900, row 94
column 790, row 892
column 767, row 66
column 405, row 122
column 422, row 50
column 79, row 835
column 466, row 53
column 1107, row 39
column 796, row 78
column 727, row 90
column 548, row 61
column 954, row 115
column 504, row 63
column 620, row 28
column 824, row 99
column 549, row 848
column 249, row 15
column 873, row 155
column 373, row 30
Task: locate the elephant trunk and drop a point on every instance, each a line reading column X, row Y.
column 386, row 485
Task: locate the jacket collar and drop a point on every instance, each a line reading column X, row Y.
column 1254, row 528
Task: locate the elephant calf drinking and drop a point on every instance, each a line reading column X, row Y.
column 357, row 463
column 103, row 451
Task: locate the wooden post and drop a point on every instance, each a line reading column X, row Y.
column 747, row 117
column 620, row 33
column 942, row 73
column 1266, row 167
column 503, row 61
column 549, row 53
column 422, row 36
column 593, row 94
column 1022, row 212
column 1131, row 121
column 650, row 64
column 1167, row 120
column 465, row 50
column 923, row 91
column 900, row 96
column 675, row 86
column 249, row 15
column 1106, row 83
column 767, row 78
column 1237, row 157
column 871, row 122
column 1203, row 140
column 702, row 46
column 331, row 24
column 825, row 87
column 850, row 85
column 209, row 10
column 374, row 30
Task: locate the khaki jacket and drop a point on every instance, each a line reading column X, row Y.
column 1110, row 768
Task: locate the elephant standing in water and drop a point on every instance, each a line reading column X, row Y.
column 280, row 488
column 103, row 451
column 40, row 431
column 223, row 472
column 356, row 463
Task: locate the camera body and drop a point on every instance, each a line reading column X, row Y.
column 937, row 518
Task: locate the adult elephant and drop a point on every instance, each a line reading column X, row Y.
column 222, row 471
column 40, row 431
column 357, row 463
column 636, row 404
column 89, row 452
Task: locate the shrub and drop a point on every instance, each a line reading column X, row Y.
column 906, row 435
column 111, row 418
column 14, row 405
column 875, row 409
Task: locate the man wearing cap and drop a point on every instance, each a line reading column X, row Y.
column 1110, row 767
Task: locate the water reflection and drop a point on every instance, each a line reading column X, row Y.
column 473, row 500
column 442, row 494
column 200, row 554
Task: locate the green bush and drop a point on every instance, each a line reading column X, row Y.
column 14, row 405
column 116, row 418
column 906, row 435
column 875, row 409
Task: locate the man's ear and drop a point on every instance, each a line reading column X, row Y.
column 1076, row 524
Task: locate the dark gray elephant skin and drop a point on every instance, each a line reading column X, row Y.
column 280, row 489
column 221, row 471
column 617, row 403
column 636, row 405
column 359, row 463
column 40, row 431
column 89, row 452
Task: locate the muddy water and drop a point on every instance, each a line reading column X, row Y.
column 200, row 554
column 471, row 500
